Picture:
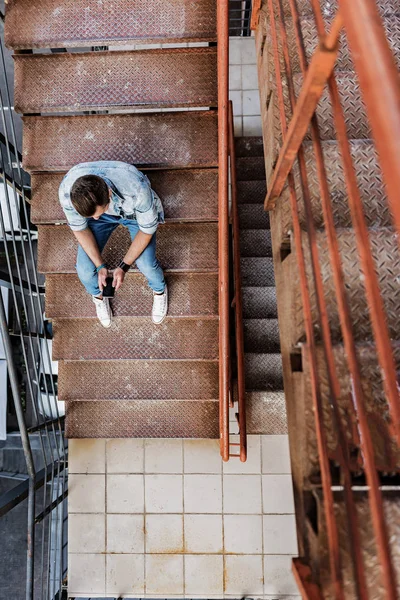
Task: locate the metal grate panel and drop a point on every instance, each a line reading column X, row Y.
column 158, row 140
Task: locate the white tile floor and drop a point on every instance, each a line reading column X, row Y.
column 166, row 518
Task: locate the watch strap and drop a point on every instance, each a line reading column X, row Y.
column 125, row 267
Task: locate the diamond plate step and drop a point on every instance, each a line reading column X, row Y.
column 90, row 23
column 259, row 302
column 66, row 82
column 255, row 242
column 142, row 419
column 250, row 168
column 257, row 272
column 329, row 7
column 189, row 295
column 251, row 192
column 261, row 335
column 177, row 188
column 185, row 247
column 369, row 179
column 135, row 338
column 263, row 371
column 386, row 253
column 266, row 413
column 249, row 146
column 137, row 380
column 157, row 140
column 253, row 216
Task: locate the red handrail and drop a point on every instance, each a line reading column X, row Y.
column 223, row 216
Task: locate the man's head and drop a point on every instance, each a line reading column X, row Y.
column 90, row 196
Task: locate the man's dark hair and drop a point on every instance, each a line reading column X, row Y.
column 87, row 193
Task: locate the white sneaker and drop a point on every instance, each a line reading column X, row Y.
column 103, row 310
column 160, row 307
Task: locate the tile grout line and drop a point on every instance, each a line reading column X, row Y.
column 144, row 520
column 183, row 520
column 223, row 529
column 105, row 516
column 262, row 514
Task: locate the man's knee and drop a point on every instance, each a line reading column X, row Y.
column 86, row 270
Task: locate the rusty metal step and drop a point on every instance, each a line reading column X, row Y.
column 137, row 380
column 370, row 552
column 329, row 7
column 266, row 413
column 259, row 302
column 257, row 272
column 255, row 242
column 189, row 295
column 187, row 195
column 90, row 23
column 263, row 371
column 250, row 168
column 387, row 453
column 65, row 82
column 135, row 338
column 251, row 192
column 261, row 335
column 249, row 146
column 156, row 140
column 385, row 250
column 369, row 179
column 142, row 419
column 253, row 216
column 182, row 247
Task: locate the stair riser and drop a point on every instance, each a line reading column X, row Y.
column 263, row 372
column 250, row 168
column 251, row 192
column 255, row 242
column 257, row 272
column 253, row 216
column 261, row 335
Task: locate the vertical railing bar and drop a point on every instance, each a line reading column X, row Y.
column 320, row 296
column 27, row 450
column 357, row 392
column 333, row 539
column 239, row 338
column 223, row 221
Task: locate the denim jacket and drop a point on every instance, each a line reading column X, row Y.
column 132, row 196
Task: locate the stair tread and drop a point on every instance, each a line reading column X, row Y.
column 253, row 216
column 176, row 188
column 330, row 7
column 156, row 140
column 158, row 78
column 189, row 295
column 257, row 271
column 135, row 338
column 250, row 168
column 263, row 371
column 255, row 242
column 142, row 419
column 249, row 146
column 251, row 192
column 259, row 302
column 33, row 25
column 266, row 413
column 184, row 247
column 138, row 380
column 261, row 335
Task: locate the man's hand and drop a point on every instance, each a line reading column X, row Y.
column 102, row 276
column 118, row 278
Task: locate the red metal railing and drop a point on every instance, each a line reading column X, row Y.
column 380, row 86
column 223, row 216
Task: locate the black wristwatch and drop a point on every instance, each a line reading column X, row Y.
column 124, row 266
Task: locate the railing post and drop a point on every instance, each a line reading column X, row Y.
column 223, row 216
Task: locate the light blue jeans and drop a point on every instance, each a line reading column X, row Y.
column 147, row 262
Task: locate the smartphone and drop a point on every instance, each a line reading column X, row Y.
column 108, row 290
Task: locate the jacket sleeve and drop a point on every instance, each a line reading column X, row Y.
column 146, row 210
column 75, row 221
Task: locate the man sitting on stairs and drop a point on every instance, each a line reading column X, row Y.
column 97, row 197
